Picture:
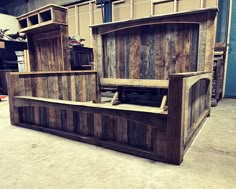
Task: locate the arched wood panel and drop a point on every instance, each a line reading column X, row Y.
column 151, row 52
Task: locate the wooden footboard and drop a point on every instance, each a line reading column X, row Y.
column 188, row 106
column 144, row 131
column 62, row 85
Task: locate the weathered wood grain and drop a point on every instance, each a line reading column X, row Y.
column 151, row 52
column 134, row 52
column 63, row 86
column 48, row 49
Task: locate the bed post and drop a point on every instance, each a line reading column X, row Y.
column 175, row 120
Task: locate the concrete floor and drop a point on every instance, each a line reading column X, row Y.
column 31, row 159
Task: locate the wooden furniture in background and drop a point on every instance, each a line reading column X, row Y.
column 8, row 60
column 82, row 58
column 47, row 34
column 218, row 76
column 218, row 71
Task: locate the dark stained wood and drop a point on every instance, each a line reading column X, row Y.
column 105, row 144
column 152, row 118
column 175, row 121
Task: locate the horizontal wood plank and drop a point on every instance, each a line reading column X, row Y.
column 149, row 117
column 134, row 83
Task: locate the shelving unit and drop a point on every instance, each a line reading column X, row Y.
column 47, row 33
column 48, row 15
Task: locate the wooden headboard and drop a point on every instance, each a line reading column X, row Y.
column 155, row 47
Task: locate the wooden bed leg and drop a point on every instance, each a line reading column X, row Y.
column 114, row 98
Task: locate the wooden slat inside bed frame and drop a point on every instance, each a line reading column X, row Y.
column 108, row 82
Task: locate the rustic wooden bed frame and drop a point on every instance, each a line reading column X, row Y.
column 69, row 103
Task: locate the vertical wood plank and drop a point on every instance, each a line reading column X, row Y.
column 202, row 46
column 122, row 135
column 83, row 123
column 127, row 55
column 97, row 125
column 111, row 54
column 134, row 52
column 161, row 143
column 76, row 121
column 194, row 40
column 175, row 121
column 69, row 89
column 104, row 63
column 64, row 87
column 210, row 41
column 160, row 51
column 107, row 130
column 120, row 54
column 69, row 122
column 149, row 138
column 73, row 87
column 145, row 52
column 90, row 124
column 170, row 54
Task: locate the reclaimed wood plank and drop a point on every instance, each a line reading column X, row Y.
column 127, row 56
column 175, row 121
column 122, row 136
column 194, row 38
column 73, row 87
column 97, row 125
column 69, row 121
column 160, row 51
column 120, row 54
column 76, row 121
column 107, row 130
column 145, row 46
column 83, row 123
column 154, row 118
column 109, row 82
column 90, row 124
column 111, row 54
column 134, row 52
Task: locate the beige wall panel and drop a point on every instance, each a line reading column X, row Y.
column 184, row 5
column 211, row 3
column 71, row 21
column 121, row 12
column 71, row 11
column 141, row 1
column 83, row 8
column 71, row 25
column 142, row 8
column 164, row 8
column 97, row 15
column 84, row 30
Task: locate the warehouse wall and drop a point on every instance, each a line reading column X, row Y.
column 81, row 15
column 85, row 14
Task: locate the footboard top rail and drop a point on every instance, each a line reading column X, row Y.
column 146, row 83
